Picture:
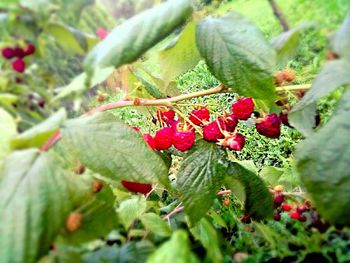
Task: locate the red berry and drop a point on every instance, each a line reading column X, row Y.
column 135, row 128
column 246, row 219
column 184, row 141
column 243, row 108
column 30, row 49
column 137, row 187
column 41, row 103
column 198, row 116
column 211, row 132
column 270, row 126
column 284, row 118
column 294, row 215
column 19, row 65
column 73, row 221
column 277, row 217
column 19, row 52
column 163, row 139
column 149, row 139
column 237, row 142
column 228, row 124
column 8, row 52
column 302, row 218
column 101, row 32
column 167, row 117
column 286, row 207
column 301, row 209
column 278, row 199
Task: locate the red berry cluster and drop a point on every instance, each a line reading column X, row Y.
column 296, row 211
column 17, row 54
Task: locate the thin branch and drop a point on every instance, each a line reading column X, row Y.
column 175, row 211
column 279, row 15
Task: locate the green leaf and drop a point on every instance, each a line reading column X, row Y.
column 8, row 131
column 35, row 201
column 258, row 201
column 271, row 175
column 324, row 167
column 207, row 235
column 154, row 223
column 98, row 217
column 108, row 146
column 39, row 134
column 182, row 56
column 341, row 40
column 176, row 250
column 8, row 98
column 200, row 176
column 332, row 76
column 79, row 84
column 130, row 40
column 287, row 43
column 238, row 55
column 268, row 234
column 71, row 40
column 131, row 209
column 131, row 252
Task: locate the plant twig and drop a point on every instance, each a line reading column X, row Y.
column 279, row 15
column 177, row 209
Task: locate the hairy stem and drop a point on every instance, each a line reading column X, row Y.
column 279, row 15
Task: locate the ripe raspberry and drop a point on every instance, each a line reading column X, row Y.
column 19, row 65
column 149, row 139
column 270, row 126
column 198, row 116
column 228, row 124
column 286, row 207
column 8, row 52
column 30, row 49
column 294, row 215
column 278, row 199
column 163, row 138
column 243, row 108
column 301, row 209
column 19, row 52
column 167, row 117
column 302, row 218
column 277, row 216
column 211, row 132
column 184, row 140
column 73, row 221
column 284, row 118
column 234, row 142
column 96, row 186
column 137, row 187
column 101, row 32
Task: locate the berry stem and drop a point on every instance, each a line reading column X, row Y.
column 189, row 121
column 293, row 88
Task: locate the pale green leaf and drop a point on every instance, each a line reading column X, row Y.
column 155, row 224
column 341, row 40
column 131, row 209
column 8, row 131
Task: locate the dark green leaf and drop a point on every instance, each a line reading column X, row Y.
column 200, row 176
column 176, row 250
column 181, row 57
column 35, row 200
column 341, row 40
column 286, row 43
column 332, row 76
column 39, row 134
column 207, row 235
column 324, row 167
column 258, row 201
column 71, row 39
column 130, row 40
column 131, row 252
column 154, row 223
column 238, row 55
column 108, row 146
